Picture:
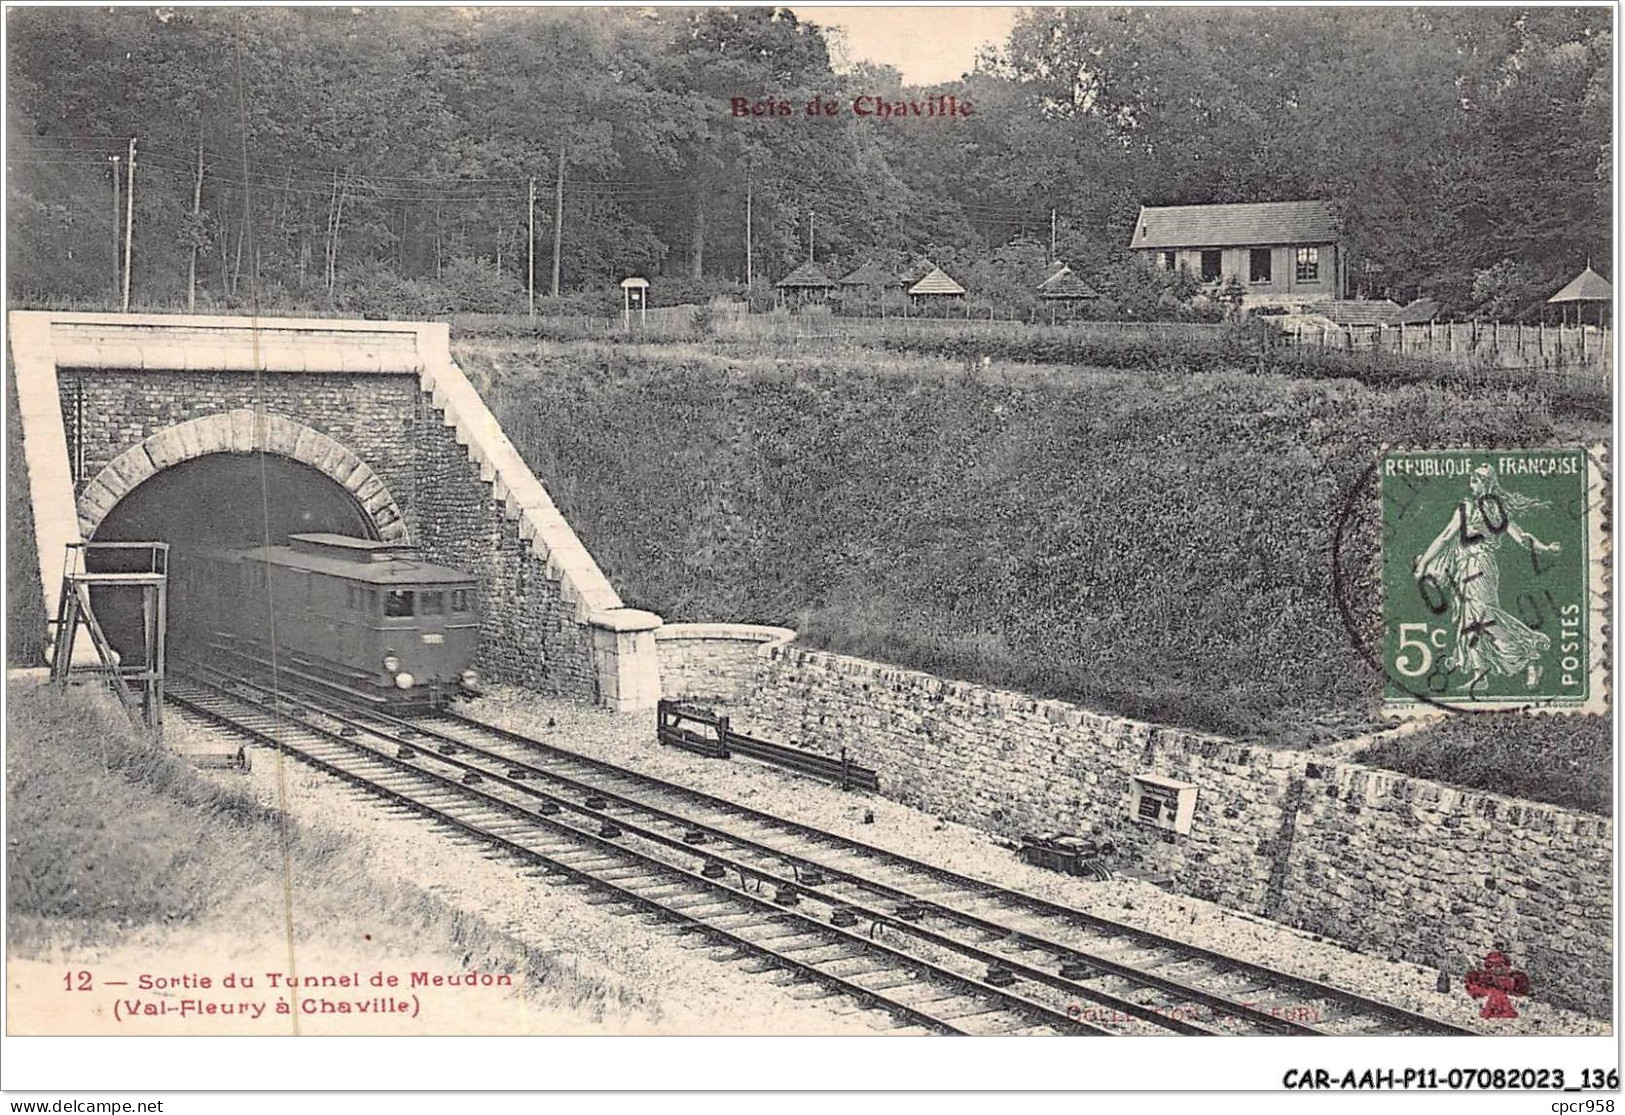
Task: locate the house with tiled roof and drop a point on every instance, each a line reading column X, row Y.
column 1360, row 311
column 1282, row 252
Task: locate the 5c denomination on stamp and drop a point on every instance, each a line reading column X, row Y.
column 1492, row 586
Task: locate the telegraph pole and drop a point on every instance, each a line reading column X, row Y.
column 530, row 250
column 197, row 206
column 1052, row 233
column 558, row 220
column 115, row 159
column 750, row 274
column 811, row 217
column 129, row 222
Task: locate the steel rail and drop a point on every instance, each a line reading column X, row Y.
column 1007, row 1001
column 979, row 888
column 988, row 889
column 874, row 916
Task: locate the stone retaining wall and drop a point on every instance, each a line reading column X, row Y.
column 714, row 663
column 1398, row 866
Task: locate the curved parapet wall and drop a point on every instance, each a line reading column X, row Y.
column 715, row 662
column 381, row 408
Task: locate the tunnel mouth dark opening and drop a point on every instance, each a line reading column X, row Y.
column 216, row 501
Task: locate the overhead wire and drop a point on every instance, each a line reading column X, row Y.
column 292, row 178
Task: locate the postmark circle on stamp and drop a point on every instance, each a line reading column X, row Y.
column 1492, row 575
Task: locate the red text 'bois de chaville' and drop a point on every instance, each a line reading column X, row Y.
column 869, row 105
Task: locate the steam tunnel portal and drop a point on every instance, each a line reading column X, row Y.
column 215, row 501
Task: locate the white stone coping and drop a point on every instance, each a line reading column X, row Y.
column 189, row 342
column 625, row 619
column 581, row 582
column 45, row 449
column 769, row 638
column 228, row 321
column 1348, row 748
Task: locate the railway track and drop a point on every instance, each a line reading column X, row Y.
column 886, row 929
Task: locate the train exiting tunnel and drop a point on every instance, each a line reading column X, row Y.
column 216, row 501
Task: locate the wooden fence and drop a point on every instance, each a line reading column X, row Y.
column 1480, row 344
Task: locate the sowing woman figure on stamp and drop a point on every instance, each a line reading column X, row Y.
column 1462, row 562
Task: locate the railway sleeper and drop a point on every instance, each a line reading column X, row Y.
column 933, row 992
column 778, row 933
column 891, row 979
column 870, row 965
column 703, row 906
column 589, row 861
column 837, row 951
column 953, row 1007
column 814, row 992
column 981, row 1011
column 661, row 890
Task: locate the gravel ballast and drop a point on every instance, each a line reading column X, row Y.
column 685, row 989
column 629, row 740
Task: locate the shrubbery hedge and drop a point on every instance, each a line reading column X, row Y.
column 1251, row 345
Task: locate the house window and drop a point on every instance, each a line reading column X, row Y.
column 1210, row 267
column 1170, row 261
column 1258, row 265
column 1308, row 265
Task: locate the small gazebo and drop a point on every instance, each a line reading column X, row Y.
column 937, row 288
column 1064, row 289
column 1587, row 286
column 867, row 285
column 807, row 283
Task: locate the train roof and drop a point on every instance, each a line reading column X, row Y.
column 353, row 559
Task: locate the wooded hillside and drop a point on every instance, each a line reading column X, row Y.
column 370, row 159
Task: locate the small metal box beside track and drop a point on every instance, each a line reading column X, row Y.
column 1067, row 852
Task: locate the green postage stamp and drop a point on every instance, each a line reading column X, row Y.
column 1493, row 579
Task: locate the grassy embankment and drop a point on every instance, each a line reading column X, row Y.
column 25, row 607
column 1157, row 545
column 115, row 840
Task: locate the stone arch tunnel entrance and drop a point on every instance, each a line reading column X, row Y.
column 112, row 406
column 217, row 501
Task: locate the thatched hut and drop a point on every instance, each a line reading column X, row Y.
column 806, row 284
column 1063, row 290
column 1586, row 287
column 936, row 292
